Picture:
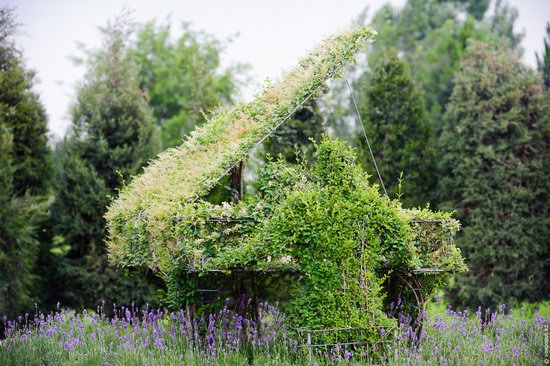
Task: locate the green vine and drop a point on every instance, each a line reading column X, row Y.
column 323, row 222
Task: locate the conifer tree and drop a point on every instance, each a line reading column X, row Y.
column 20, row 217
column 494, row 148
column 294, row 136
column 24, row 170
column 398, row 129
column 22, row 113
column 113, row 135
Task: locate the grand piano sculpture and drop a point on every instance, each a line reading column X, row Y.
column 317, row 235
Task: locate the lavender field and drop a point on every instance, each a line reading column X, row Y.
column 134, row 336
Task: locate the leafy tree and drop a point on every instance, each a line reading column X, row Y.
column 544, row 61
column 182, row 78
column 23, row 171
column 398, row 126
column 495, row 146
column 113, row 135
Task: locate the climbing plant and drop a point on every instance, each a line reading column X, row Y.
column 321, row 220
column 180, row 175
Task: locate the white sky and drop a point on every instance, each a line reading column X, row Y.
column 272, row 34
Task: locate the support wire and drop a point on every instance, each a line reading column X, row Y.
column 366, row 138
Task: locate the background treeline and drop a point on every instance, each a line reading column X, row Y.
column 444, row 99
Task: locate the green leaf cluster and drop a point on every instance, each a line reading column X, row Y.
column 181, row 78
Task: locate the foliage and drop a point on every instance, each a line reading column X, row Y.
column 398, row 128
column 476, row 8
column 431, row 37
column 182, row 78
column 24, row 171
column 343, row 236
column 112, row 136
column 294, row 136
column 325, row 222
column 22, row 113
column 494, row 148
column 149, row 204
column 544, row 62
column 135, row 337
column 19, row 220
column 310, row 219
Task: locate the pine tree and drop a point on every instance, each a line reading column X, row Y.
column 398, row 129
column 495, row 147
column 23, row 174
column 113, row 135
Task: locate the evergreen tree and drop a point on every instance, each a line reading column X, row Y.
column 20, row 218
column 398, row 129
column 113, row 135
column 431, row 36
column 544, row 61
column 294, row 136
column 182, row 78
column 23, row 171
column 22, row 113
column 495, row 147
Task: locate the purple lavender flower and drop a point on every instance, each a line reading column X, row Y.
column 347, row 354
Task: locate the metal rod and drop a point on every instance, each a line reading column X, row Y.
column 422, row 220
column 268, row 270
column 230, row 220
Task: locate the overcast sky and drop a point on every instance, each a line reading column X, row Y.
column 272, row 35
